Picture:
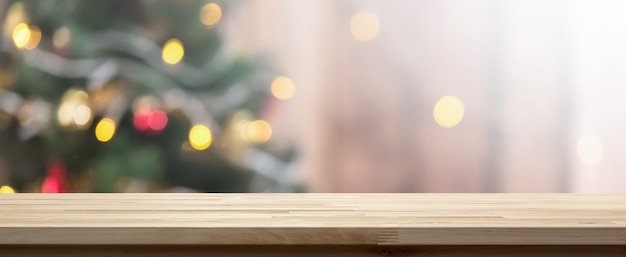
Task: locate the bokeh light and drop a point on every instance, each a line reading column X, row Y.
column 73, row 109
column 157, row 120
column 82, row 115
column 448, row 111
column 210, row 14
column 61, row 37
column 242, row 127
column 283, row 88
column 16, row 14
column 7, row 190
column 140, row 119
column 105, row 130
column 35, row 37
column 145, row 119
column 259, row 131
column 65, row 115
column 21, row 35
column 590, row 149
column 52, row 184
column 364, row 26
column 200, row 137
column 173, row 51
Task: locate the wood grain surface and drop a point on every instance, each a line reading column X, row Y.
column 313, row 251
column 312, row 219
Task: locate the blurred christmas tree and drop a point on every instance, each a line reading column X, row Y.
column 130, row 95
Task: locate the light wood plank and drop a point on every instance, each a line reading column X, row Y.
column 313, row 219
column 313, row 251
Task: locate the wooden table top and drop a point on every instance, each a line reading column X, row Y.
column 313, row 219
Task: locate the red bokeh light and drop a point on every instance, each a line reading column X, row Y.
column 157, row 120
column 55, row 178
column 140, row 119
column 151, row 121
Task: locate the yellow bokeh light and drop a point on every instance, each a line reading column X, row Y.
column 173, row 51
column 7, row 190
column 65, row 114
column 242, row 128
column 200, row 137
column 70, row 110
column 105, row 130
column 61, row 37
column 283, row 88
column 78, row 95
column 82, row 115
column 16, row 14
column 448, row 111
column 259, row 131
column 35, row 37
column 590, row 149
column 210, row 14
column 21, row 35
column 364, row 26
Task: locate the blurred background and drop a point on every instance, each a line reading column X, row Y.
column 312, row 96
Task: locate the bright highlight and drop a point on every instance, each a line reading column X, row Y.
column 259, row 131
column 173, row 51
column 364, row 26
column 21, row 35
column 82, row 115
column 590, row 149
column 448, row 111
column 7, row 190
column 211, row 14
column 283, row 88
column 16, row 14
column 105, row 130
column 200, row 137
column 74, row 110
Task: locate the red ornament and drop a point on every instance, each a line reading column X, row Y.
column 55, row 181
